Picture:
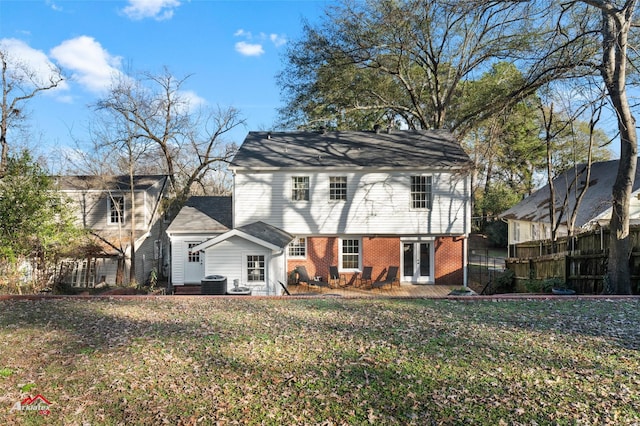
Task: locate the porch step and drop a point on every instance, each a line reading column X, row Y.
column 188, row 289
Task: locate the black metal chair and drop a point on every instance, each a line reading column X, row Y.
column 336, row 278
column 365, row 277
column 392, row 277
column 303, row 276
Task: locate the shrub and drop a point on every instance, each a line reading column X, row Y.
column 505, row 282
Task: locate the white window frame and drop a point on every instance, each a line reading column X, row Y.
column 341, row 254
column 300, row 185
column 111, row 209
column 249, row 268
column 337, row 188
column 298, row 245
column 427, row 193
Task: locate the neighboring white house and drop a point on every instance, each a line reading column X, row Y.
column 530, row 220
column 104, row 206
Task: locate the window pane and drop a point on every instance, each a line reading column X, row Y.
column 298, row 247
column 194, row 256
column 337, row 187
column 255, row 268
column 350, row 254
column 300, row 188
column 116, row 209
column 421, row 192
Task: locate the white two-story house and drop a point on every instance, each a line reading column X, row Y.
column 104, row 205
column 350, row 199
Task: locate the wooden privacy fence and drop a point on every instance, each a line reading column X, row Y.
column 580, row 262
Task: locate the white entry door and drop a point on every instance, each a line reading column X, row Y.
column 193, row 264
column 417, row 266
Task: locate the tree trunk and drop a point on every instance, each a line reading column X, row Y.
column 615, row 30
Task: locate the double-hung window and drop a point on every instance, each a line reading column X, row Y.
column 420, row 192
column 298, row 248
column 337, row 188
column 350, row 253
column 255, row 268
column 300, row 188
column 116, row 209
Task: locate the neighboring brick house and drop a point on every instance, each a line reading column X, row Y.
column 355, row 199
column 104, row 206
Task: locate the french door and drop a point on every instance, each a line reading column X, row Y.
column 417, row 262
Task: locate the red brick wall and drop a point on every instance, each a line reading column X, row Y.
column 322, row 252
column 448, row 258
column 380, row 253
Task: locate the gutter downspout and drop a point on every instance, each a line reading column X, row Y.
column 467, row 230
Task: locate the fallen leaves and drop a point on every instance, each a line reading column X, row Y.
column 326, row 361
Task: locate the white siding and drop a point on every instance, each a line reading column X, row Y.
column 228, row 258
column 179, row 252
column 177, row 261
column 377, row 203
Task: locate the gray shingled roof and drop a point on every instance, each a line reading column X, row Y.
column 596, row 201
column 203, row 215
column 113, row 183
column 267, row 233
column 396, row 149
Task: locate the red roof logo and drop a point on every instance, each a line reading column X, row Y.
column 38, row 399
column 38, row 403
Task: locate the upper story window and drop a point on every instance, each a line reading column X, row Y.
column 337, row 187
column 298, row 247
column 300, row 188
column 350, row 254
column 116, row 209
column 421, row 192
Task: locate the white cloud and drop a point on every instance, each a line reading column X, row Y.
column 242, row 33
column 190, row 101
column 156, row 9
column 278, row 39
column 91, row 65
column 29, row 64
column 249, row 49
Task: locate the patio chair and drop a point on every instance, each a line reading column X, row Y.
column 365, row 277
column 392, row 277
column 303, row 276
column 336, row 278
column 284, row 287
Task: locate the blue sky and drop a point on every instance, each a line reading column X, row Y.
column 232, row 50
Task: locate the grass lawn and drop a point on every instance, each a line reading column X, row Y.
column 206, row 360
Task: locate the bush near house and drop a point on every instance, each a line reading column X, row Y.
column 37, row 226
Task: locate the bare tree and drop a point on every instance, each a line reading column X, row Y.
column 20, row 83
column 189, row 142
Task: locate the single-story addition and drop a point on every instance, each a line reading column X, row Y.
column 203, row 243
column 252, row 256
column 199, row 220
